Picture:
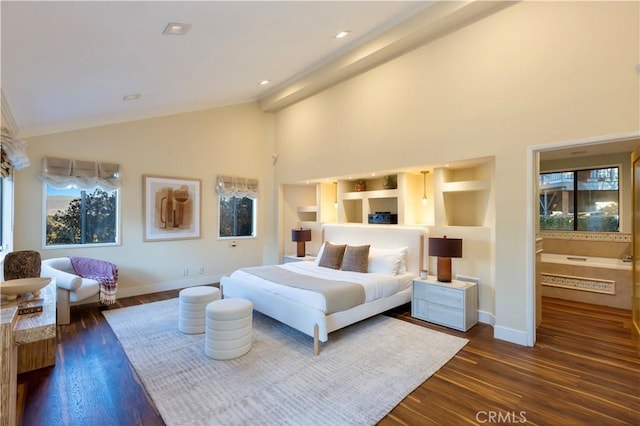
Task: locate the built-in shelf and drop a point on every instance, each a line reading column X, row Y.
column 464, row 186
column 455, row 197
column 360, row 195
column 466, row 195
column 307, row 209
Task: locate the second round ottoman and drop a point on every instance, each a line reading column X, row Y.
column 228, row 328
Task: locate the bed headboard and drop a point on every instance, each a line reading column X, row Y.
column 382, row 236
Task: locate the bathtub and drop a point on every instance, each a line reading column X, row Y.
column 590, row 262
column 596, row 280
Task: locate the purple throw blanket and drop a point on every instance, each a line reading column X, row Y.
column 105, row 273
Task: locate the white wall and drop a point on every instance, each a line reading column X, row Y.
column 532, row 74
column 234, row 140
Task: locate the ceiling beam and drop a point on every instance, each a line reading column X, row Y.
column 433, row 22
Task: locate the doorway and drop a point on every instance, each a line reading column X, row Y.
column 596, row 148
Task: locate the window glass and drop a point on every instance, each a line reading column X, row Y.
column 237, row 217
column 580, row 200
column 81, row 217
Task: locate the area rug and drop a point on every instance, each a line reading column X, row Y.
column 362, row 372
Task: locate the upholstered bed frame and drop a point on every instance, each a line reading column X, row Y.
column 316, row 323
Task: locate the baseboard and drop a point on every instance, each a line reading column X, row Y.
column 510, row 335
column 486, row 318
column 155, row 288
column 169, row 285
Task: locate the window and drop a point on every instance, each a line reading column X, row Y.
column 80, row 217
column 237, row 217
column 580, row 200
column 237, row 206
column 81, row 202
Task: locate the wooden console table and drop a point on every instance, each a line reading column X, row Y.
column 28, row 343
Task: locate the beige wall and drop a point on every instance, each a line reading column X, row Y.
column 535, row 73
column 235, row 140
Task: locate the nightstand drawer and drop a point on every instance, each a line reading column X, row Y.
column 446, row 296
column 446, row 316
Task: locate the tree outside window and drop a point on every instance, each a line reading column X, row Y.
column 81, row 217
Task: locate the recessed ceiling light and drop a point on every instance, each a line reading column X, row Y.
column 342, row 34
column 131, row 97
column 264, row 82
column 175, row 28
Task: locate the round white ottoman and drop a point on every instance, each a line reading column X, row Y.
column 193, row 303
column 228, row 332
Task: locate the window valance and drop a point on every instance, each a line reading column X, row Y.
column 14, row 154
column 61, row 173
column 231, row 186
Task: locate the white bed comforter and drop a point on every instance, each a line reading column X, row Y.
column 376, row 286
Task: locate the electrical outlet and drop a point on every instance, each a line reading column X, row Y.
column 201, row 270
column 185, row 272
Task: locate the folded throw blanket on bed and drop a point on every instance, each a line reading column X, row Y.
column 339, row 295
column 105, row 273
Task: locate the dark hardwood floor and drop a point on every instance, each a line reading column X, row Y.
column 583, row 370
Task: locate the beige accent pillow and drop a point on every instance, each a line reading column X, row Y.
column 332, row 255
column 356, row 259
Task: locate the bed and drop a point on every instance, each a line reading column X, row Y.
column 303, row 310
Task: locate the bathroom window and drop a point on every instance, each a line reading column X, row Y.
column 580, row 200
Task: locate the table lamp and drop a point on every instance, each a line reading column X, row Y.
column 301, row 236
column 445, row 248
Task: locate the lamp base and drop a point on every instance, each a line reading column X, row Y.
column 301, row 249
column 444, row 269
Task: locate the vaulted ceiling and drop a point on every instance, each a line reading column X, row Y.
column 69, row 65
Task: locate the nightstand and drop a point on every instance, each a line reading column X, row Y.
column 453, row 304
column 289, row 258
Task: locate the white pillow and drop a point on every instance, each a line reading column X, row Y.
column 388, row 261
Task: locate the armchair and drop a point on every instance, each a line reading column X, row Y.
column 70, row 286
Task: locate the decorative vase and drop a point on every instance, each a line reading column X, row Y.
column 360, row 186
column 390, row 182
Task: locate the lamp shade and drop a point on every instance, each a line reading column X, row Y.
column 445, row 247
column 300, row 235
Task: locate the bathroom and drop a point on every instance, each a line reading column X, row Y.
column 592, row 263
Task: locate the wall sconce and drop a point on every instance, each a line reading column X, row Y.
column 445, row 248
column 301, row 236
column 424, row 186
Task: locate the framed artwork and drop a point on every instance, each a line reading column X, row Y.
column 171, row 208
